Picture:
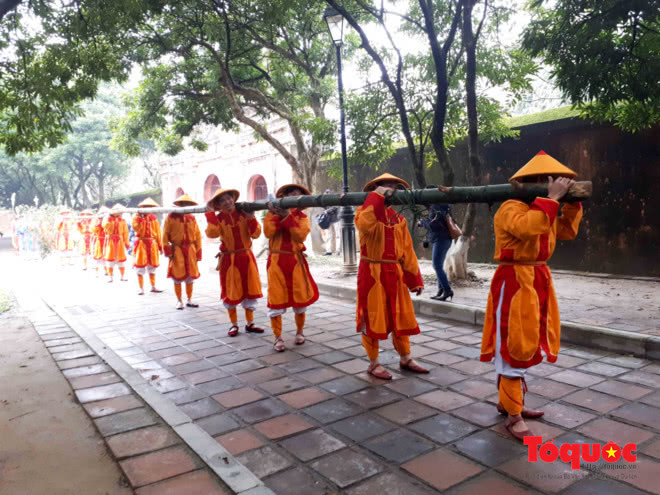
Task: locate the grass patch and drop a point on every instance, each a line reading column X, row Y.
column 546, row 116
column 5, row 301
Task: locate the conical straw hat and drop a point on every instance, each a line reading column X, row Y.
column 185, row 200
column 220, row 192
column 372, row 184
column 543, row 164
column 148, row 203
column 286, row 187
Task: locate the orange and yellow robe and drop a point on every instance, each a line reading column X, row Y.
column 239, row 275
column 182, row 243
column 290, row 284
column 98, row 239
column 522, row 306
column 85, row 229
column 64, row 238
column 148, row 244
column 116, row 239
column 388, row 271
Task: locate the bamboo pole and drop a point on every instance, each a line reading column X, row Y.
column 580, row 191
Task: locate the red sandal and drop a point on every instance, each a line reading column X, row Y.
column 411, row 365
column 233, row 331
column 383, row 375
column 253, row 329
column 519, row 435
column 526, row 413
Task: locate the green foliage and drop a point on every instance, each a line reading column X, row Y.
column 545, row 116
column 605, row 56
column 5, row 301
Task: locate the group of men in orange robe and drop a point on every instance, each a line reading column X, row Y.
column 522, row 318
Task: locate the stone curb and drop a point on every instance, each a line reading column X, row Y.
column 639, row 345
column 235, row 475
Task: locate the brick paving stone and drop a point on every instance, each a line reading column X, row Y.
column 295, row 367
column 467, row 352
column 550, row 389
column 491, row 483
column 343, row 385
column 282, row 385
column 204, row 376
column 339, row 343
column 625, row 361
column 566, row 361
column 217, row 424
column 264, row 461
column 544, row 369
column 103, row 392
column 652, row 399
column 319, row 375
column 191, row 367
column 141, row 441
column 372, row 397
column 444, row 376
column 86, row 370
column 112, row 406
column 472, row 367
column 312, row 349
column 621, row 389
column 169, row 384
column 346, row 467
column 238, row 397
column 405, row 411
column 182, row 358
column 353, row 366
column 332, row 357
column 389, row 483
column 595, row 401
column 359, row 428
column 243, row 366
column 125, row 421
column 203, row 344
column 565, row 416
column 596, row 486
column 312, row 444
column 443, row 345
column 444, row 400
column 641, row 378
column 606, row 430
column 97, row 380
column 280, row 357
column 398, row 446
column 228, row 358
column 147, row 366
column 481, row 413
column 443, row 428
column 652, row 448
column 443, row 358
column 639, row 413
column 185, row 395
column 201, row 408
column 169, row 352
column 489, row 448
column 455, row 468
column 239, row 441
column 260, row 376
column 467, row 339
column 157, row 466
column 195, row 483
column 548, row 477
column 298, row 481
column 137, row 359
column 305, row 397
column 283, row 426
column 576, row 378
column 211, row 351
column 260, row 411
column 602, row 368
column 538, row 428
column 478, row 389
column 646, row 475
column 57, row 342
column 332, row 410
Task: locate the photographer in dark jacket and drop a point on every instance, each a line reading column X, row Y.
column 438, row 235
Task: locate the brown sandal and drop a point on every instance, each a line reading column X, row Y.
column 526, row 413
column 279, row 345
column 300, row 338
column 519, row 435
column 411, row 365
column 233, row 331
column 383, row 375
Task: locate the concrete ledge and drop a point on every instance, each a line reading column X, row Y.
column 609, row 339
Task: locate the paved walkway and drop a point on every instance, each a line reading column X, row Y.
column 311, row 421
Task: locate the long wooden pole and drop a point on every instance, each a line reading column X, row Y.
column 580, row 191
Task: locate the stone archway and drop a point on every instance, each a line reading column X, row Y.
column 257, row 188
column 211, row 185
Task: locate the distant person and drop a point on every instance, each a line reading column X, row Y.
column 440, row 239
column 116, row 242
column 332, row 232
column 147, row 245
column 85, row 229
column 98, row 239
column 522, row 317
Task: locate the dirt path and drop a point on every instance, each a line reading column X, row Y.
column 48, row 445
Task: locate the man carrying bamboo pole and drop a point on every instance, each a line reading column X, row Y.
column 522, row 317
column 387, row 274
column 290, row 283
column 239, row 275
